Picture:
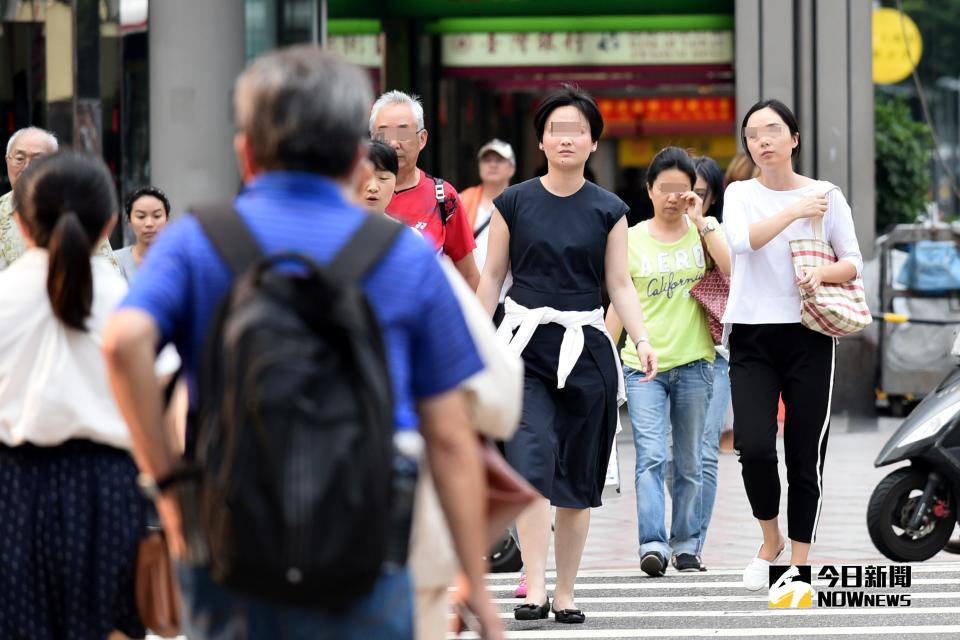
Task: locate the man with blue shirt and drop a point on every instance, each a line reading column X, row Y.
column 301, row 120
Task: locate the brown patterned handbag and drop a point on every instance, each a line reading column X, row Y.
column 712, row 292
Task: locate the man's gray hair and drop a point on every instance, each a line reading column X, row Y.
column 397, row 97
column 51, row 138
column 303, row 109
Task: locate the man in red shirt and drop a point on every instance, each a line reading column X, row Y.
column 397, row 119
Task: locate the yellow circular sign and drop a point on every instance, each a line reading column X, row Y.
column 893, row 56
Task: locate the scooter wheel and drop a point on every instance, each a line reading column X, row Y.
column 889, row 511
column 505, row 555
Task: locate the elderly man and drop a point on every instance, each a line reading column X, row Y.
column 23, row 147
column 427, row 204
column 300, row 144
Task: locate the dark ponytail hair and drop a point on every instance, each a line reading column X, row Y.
column 708, row 169
column 66, row 200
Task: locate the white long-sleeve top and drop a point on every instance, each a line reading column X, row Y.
column 53, row 380
column 525, row 321
column 763, row 287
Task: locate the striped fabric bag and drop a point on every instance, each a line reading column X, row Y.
column 833, row 309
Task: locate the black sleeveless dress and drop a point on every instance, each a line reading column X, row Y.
column 557, row 251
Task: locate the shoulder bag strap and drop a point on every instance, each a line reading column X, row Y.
column 365, row 248
column 229, row 235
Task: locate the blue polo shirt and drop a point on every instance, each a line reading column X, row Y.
column 428, row 345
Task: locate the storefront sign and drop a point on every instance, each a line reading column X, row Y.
column 587, row 49
column 639, row 152
column 667, row 110
column 363, row 50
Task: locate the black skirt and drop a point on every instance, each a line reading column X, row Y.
column 71, row 518
column 562, row 446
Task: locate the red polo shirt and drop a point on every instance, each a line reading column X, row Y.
column 417, row 207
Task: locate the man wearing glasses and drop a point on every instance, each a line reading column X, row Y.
column 418, row 202
column 23, row 147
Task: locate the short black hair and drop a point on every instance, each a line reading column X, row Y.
column 146, row 190
column 781, row 110
column 708, row 169
column 569, row 95
column 383, row 157
column 671, row 158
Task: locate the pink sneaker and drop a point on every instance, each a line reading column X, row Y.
column 521, row 591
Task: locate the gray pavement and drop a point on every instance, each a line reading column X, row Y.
column 849, row 478
column 621, row 602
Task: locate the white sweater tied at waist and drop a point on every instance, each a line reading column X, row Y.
column 525, row 322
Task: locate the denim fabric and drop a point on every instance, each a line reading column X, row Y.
column 719, row 403
column 685, row 391
column 716, row 413
column 211, row 612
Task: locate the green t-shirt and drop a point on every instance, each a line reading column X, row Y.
column 663, row 274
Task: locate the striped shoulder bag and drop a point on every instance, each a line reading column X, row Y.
column 835, row 310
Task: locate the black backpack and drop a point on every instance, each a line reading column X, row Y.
column 294, row 441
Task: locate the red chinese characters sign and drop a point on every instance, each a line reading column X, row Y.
column 718, row 109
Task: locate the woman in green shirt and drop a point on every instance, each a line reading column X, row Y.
column 668, row 255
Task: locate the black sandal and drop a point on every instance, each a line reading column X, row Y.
column 569, row 616
column 531, row 611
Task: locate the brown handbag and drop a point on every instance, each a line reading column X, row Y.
column 155, row 587
column 508, row 493
column 712, row 292
column 156, row 594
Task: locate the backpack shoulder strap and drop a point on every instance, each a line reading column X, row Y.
column 229, row 235
column 445, row 205
column 365, row 248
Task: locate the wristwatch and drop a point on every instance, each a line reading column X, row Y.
column 152, row 488
column 707, row 228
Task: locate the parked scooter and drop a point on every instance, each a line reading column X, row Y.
column 913, row 510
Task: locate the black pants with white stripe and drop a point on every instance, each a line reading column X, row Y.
column 768, row 360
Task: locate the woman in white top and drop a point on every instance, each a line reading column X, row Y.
column 70, row 512
column 771, row 353
column 148, row 211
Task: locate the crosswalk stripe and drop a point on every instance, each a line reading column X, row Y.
column 951, row 567
column 864, row 632
column 936, row 595
column 672, row 584
column 766, row 613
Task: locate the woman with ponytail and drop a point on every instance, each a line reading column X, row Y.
column 70, row 513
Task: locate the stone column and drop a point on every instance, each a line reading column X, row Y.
column 196, row 52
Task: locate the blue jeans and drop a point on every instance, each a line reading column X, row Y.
column 716, row 412
column 211, row 612
column 686, row 391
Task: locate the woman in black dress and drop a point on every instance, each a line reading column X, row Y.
column 563, row 238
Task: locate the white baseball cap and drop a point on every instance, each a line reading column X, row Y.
column 499, row 147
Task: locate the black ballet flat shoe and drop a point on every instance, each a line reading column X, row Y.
column 531, row 611
column 569, row 616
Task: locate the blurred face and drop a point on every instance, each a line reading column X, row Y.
column 666, row 193
column 147, row 218
column 703, row 190
column 378, row 190
column 25, row 149
column 566, row 139
column 396, row 125
column 495, row 169
column 768, row 139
